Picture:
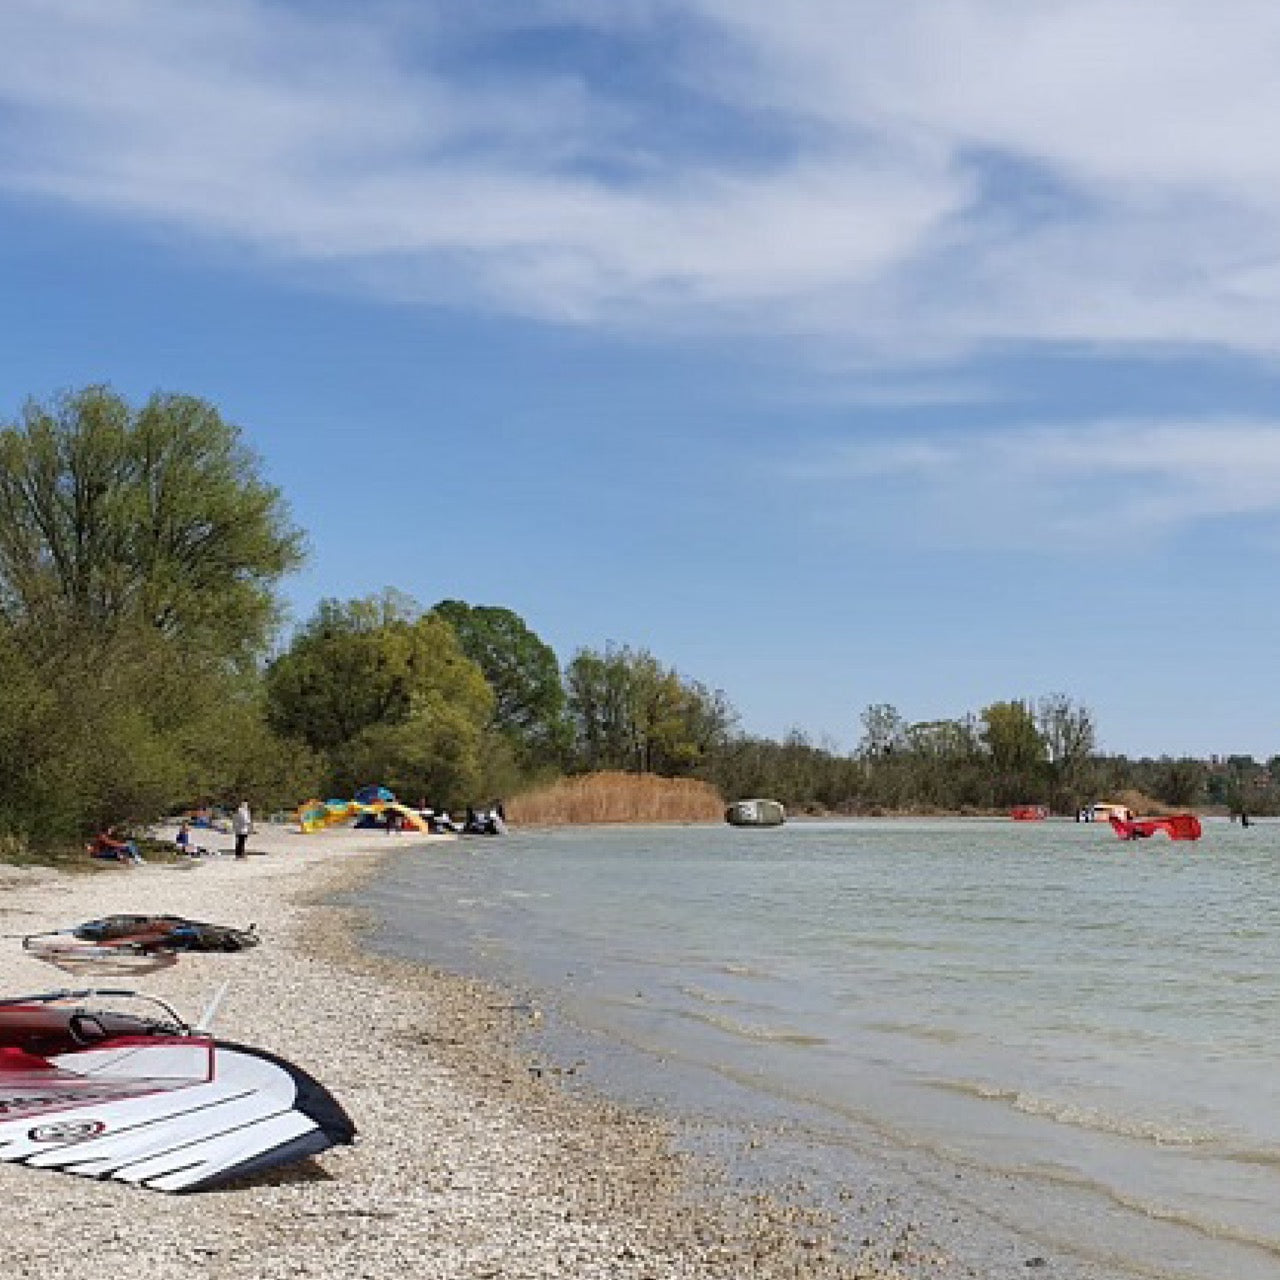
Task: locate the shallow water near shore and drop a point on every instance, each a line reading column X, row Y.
column 1060, row 1038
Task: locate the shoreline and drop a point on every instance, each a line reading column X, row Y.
column 469, row 1162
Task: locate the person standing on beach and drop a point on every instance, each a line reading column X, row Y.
column 241, row 826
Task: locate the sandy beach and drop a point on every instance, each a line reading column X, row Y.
column 470, row 1161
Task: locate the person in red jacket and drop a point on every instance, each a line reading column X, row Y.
column 110, row 844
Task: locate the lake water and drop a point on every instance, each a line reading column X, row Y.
column 1045, row 1031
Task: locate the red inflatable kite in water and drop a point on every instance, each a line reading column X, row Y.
column 1029, row 813
column 1179, row 826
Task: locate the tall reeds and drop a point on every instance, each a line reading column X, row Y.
column 617, row 797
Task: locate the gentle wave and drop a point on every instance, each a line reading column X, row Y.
column 756, row 1034
column 929, row 1032
column 1184, row 1217
column 1080, row 1116
column 703, row 996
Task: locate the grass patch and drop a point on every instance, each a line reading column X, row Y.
column 17, row 851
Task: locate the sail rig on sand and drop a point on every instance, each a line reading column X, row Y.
column 86, row 1088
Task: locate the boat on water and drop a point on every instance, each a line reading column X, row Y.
column 755, row 813
column 143, row 1098
column 1029, row 813
column 1104, row 811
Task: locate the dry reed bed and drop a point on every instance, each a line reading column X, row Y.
column 617, row 797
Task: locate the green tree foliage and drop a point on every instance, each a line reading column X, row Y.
column 1017, row 751
column 522, row 671
column 799, row 773
column 630, row 712
column 1244, row 786
column 946, row 741
column 1178, row 782
column 385, row 694
column 1070, row 739
column 115, row 517
column 1009, row 733
column 139, row 553
column 1004, row 755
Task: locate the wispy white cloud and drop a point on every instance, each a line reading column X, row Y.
column 895, row 176
column 1066, row 487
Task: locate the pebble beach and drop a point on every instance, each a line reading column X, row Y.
column 470, row 1162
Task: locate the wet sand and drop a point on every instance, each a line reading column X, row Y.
column 472, row 1161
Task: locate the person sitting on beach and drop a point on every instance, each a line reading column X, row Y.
column 185, row 845
column 110, row 845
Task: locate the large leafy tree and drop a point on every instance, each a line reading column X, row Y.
column 1017, row 752
column 385, row 694
column 139, row 555
column 522, row 670
column 1010, row 734
column 112, row 517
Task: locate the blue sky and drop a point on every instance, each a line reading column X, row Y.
column 838, row 353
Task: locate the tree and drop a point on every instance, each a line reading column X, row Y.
column 943, row 740
column 884, row 731
column 1067, row 730
column 1070, row 738
column 385, row 693
column 1017, row 752
column 599, row 705
column 346, row 669
column 1010, row 735
column 139, row 555
column 1179, row 782
column 630, row 712
column 522, row 671
column 112, row 517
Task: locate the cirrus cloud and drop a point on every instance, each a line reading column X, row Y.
column 1079, row 486
column 887, row 177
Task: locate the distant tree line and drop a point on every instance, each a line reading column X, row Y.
column 141, row 559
